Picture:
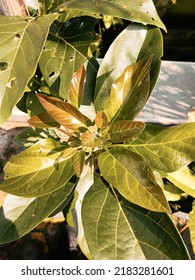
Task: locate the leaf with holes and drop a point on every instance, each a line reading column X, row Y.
column 132, row 176
column 39, row 170
column 137, row 11
column 24, row 39
column 66, row 50
column 115, row 229
column 64, row 113
column 20, row 215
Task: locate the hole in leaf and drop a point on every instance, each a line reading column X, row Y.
column 3, row 66
column 89, row 34
column 152, row 18
column 12, row 82
column 17, row 36
column 51, row 74
column 71, row 58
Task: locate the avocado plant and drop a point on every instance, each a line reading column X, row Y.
column 85, row 152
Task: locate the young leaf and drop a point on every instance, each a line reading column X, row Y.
column 24, row 39
column 137, row 11
column 77, row 87
column 129, row 92
column 132, row 176
column 101, row 120
column 89, row 140
column 136, row 42
column 20, row 215
column 123, row 130
column 39, row 170
column 166, row 148
column 115, row 229
column 64, row 113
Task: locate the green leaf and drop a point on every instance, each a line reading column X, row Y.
column 66, row 50
column 129, row 92
column 192, row 226
column 43, row 120
column 183, row 179
column 84, row 184
column 20, row 215
column 137, row 11
column 77, row 87
column 131, row 175
column 136, row 42
column 39, row 170
column 166, row 148
column 119, row 230
column 123, row 130
column 21, row 43
column 78, row 161
column 31, row 135
column 64, row 113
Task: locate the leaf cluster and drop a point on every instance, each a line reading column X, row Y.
column 85, row 151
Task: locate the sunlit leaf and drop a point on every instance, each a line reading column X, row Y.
column 101, row 120
column 78, row 161
column 64, row 113
column 21, row 43
column 166, row 148
column 90, row 140
column 43, row 120
column 183, row 179
column 31, row 135
column 137, row 11
column 115, row 229
column 19, row 215
column 66, row 50
column 77, row 87
column 135, row 43
column 38, row 170
column 131, row 175
column 123, row 130
column 129, row 92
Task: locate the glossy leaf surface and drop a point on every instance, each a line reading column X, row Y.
column 64, row 113
column 24, row 39
column 77, row 87
column 119, row 230
column 20, row 215
column 131, row 175
column 133, row 44
column 129, row 92
column 183, row 179
column 39, row 170
column 166, row 148
column 123, row 130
